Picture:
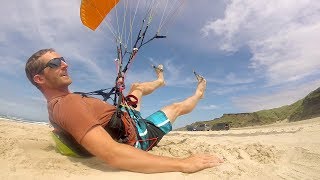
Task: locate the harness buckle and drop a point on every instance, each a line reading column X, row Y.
column 131, row 102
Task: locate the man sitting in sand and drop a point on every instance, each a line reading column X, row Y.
column 85, row 118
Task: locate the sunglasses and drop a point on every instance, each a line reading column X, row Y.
column 53, row 63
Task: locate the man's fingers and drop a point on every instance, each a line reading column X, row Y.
column 212, row 157
column 210, row 164
column 207, row 158
column 212, row 160
column 199, row 162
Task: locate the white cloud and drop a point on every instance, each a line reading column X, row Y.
column 209, row 107
column 33, row 25
column 282, row 35
column 277, row 98
column 228, row 89
column 231, row 79
column 171, row 100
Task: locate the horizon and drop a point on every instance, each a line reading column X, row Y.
column 20, row 118
column 254, row 55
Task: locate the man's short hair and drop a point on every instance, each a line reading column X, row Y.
column 34, row 65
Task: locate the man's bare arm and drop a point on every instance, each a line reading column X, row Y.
column 121, row 156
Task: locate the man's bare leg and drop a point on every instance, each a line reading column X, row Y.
column 177, row 109
column 145, row 88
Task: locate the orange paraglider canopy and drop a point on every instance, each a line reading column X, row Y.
column 92, row 12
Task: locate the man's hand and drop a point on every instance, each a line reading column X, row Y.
column 196, row 163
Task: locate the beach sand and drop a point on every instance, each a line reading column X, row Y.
column 278, row 151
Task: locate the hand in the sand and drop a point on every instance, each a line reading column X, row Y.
column 196, row 163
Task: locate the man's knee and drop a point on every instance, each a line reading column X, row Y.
column 135, row 86
column 175, row 106
column 172, row 111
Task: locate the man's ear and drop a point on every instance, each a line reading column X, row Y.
column 39, row 79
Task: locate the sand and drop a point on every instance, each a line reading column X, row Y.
column 278, row 151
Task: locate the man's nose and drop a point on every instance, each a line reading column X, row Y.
column 64, row 64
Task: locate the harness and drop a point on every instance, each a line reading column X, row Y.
column 121, row 127
column 120, row 124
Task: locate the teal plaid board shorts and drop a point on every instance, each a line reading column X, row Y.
column 158, row 119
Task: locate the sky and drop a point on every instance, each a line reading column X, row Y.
column 254, row 54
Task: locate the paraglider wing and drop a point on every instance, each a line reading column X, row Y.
column 92, row 12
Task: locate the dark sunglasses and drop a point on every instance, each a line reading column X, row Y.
column 53, row 63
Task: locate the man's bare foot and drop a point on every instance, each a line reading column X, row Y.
column 202, row 84
column 198, row 76
column 159, row 72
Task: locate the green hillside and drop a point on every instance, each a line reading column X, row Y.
column 306, row 108
column 309, row 108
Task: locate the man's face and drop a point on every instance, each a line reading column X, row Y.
column 55, row 77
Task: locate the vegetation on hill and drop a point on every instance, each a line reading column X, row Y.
column 309, row 108
column 306, row 108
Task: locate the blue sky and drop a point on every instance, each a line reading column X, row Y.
column 254, row 54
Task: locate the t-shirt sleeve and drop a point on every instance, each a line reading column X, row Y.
column 76, row 117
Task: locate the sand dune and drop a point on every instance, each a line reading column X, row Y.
column 278, row 151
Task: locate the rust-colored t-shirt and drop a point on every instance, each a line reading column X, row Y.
column 77, row 114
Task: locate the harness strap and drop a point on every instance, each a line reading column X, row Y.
column 155, row 134
column 100, row 92
column 131, row 102
column 116, row 128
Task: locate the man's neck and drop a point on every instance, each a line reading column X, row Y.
column 53, row 93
